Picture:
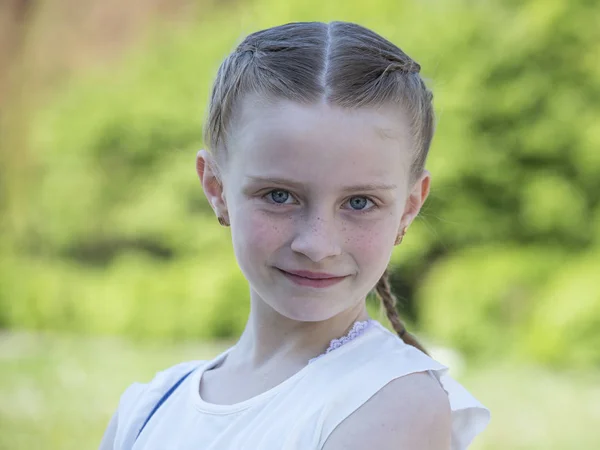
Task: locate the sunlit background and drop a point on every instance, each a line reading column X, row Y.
column 112, row 265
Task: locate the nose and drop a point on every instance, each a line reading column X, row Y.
column 317, row 239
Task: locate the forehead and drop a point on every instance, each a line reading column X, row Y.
column 320, row 143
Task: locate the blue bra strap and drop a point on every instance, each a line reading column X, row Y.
column 162, row 400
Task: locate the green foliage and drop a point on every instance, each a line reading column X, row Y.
column 134, row 295
column 522, row 190
column 564, row 326
column 481, row 296
column 119, row 239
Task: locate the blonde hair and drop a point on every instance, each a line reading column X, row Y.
column 340, row 63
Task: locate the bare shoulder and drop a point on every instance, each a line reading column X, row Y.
column 411, row 412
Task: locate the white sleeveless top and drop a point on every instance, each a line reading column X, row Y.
column 298, row 414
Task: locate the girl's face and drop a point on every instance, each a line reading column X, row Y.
column 318, row 191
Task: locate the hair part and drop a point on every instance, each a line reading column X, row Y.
column 339, row 63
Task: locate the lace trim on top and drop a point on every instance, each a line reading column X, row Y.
column 357, row 329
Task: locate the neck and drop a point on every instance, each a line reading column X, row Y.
column 270, row 338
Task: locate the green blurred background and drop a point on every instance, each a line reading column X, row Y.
column 112, row 265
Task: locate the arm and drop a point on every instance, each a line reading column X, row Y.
column 411, row 412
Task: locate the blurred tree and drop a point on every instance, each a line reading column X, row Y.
column 523, row 177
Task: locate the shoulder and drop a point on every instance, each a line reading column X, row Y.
column 140, row 394
column 160, row 383
column 138, row 400
column 412, row 411
column 400, row 391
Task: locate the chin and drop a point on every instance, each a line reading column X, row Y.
column 307, row 309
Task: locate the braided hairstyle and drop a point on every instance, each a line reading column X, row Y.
column 340, row 63
column 388, row 300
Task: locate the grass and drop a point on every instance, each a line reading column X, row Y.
column 58, row 392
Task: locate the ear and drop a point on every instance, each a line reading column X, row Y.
column 207, row 170
column 416, row 198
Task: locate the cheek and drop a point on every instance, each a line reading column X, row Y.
column 370, row 243
column 259, row 233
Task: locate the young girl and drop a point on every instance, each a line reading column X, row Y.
column 318, row 136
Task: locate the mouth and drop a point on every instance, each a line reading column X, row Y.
column 312, row 279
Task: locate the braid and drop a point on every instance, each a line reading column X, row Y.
column 384, row 292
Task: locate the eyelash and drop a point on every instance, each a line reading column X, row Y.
column 363, row 211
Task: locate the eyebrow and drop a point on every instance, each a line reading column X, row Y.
column 356, row 188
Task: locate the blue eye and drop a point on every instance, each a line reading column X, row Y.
column 279, row 196
column 283, row 197
column 359, row 203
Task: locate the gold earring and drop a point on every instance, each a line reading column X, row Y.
column 223, row 221
column 400, row 236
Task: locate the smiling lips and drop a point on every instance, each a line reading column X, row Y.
column 312, row 279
